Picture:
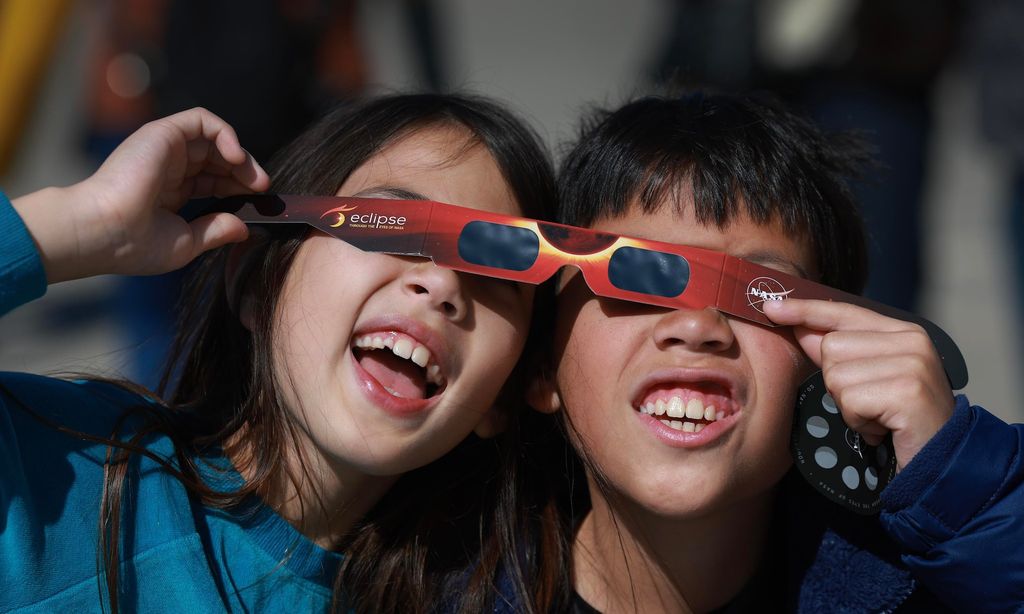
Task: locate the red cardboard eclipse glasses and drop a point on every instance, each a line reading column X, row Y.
column 834, row 459
column 531, row 251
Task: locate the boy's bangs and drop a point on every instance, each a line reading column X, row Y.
column 717, row 198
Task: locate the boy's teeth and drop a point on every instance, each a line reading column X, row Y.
column 684, row 425
column 695, row 409
column 674, row 407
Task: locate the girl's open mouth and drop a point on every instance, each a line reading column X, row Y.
column 403, row 366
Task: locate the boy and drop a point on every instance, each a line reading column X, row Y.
column 696, row 513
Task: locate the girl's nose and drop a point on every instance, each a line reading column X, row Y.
column 703, row 330
column 440, row 287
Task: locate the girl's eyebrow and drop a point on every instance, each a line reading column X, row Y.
column 776, row 261
column 391, row 192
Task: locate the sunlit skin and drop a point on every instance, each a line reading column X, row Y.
column 682, row 524
column 700, row 510
column 358, row 437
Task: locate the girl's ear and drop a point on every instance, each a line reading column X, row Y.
column 542, row 393
column 492, row 423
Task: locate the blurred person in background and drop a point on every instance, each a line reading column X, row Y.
column 268, row 67
column 996, row 54
column 864, row 65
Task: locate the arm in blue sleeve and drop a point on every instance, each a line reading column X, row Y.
column 957, row 512
column 22, row 277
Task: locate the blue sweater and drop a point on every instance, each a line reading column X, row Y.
column 178, row 555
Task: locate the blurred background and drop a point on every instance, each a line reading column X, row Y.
column 937, row 87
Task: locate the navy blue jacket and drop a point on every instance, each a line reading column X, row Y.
column 950, row 536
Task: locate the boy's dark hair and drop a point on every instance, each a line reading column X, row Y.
column 734, row 151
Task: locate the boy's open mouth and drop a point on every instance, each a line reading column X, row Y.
column 403, row 366
column 688, row 409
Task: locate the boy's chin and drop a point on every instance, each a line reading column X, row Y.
column 696, row 500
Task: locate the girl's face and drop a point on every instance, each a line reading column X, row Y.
column 683, row 411
column 387, row 362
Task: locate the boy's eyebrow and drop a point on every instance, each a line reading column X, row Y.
column 774, row 260
column 391, row 192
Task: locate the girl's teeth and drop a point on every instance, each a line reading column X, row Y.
column 420, row 355
column 403, row 348
column 434, row 375
column 659, row 408
column 709, row 413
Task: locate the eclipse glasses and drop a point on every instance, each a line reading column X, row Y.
column 531, row 251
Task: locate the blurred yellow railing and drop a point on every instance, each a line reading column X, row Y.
column 29, row 31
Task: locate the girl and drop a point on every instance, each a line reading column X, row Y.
column 291, row 467
column 682, row 417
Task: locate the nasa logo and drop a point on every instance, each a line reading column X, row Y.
column 764, row 289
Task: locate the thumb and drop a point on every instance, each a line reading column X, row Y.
column 214, row 230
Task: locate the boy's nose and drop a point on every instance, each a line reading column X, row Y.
column 439, row 286
column 704, row 330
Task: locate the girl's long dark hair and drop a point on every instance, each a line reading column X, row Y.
column 443, row 532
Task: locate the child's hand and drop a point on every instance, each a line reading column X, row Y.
column 884, row 373
column 123, row 218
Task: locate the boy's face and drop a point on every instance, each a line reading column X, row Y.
column 623, row 368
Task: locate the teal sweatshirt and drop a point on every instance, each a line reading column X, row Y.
column 177, row 554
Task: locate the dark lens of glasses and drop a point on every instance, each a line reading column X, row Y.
column 648, row 272
column 495, row 245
